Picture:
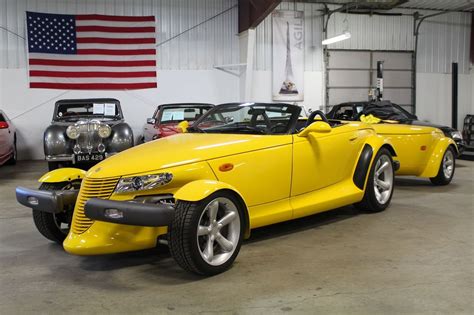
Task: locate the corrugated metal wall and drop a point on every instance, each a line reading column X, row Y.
column 443, row 39
column 214, row 42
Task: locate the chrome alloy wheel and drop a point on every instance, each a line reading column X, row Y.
column 448, row 164
column 383, row 179
column 218, row 231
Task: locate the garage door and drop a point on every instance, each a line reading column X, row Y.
column 351, row 74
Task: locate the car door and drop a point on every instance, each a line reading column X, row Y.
column 324, row 159
column 5, row 146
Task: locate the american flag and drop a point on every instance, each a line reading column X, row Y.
column 92, row 52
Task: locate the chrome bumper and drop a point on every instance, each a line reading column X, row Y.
column 60, row 158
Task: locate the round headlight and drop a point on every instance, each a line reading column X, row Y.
column 72, row 132
column 104, row 131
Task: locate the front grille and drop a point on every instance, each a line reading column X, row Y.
column 90, row 188
column 89, row 137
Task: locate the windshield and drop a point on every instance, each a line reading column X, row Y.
column 87, row 110
column 178, row 114
column 249, row 118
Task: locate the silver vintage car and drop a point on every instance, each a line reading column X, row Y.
column 85, row 131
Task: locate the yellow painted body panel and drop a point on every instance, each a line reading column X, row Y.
column 66, row 174
column 419, row 148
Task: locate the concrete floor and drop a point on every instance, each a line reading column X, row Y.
column 416, row 257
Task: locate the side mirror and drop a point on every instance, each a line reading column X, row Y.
column 318, row 126
column 229, row 119
column 150, row 121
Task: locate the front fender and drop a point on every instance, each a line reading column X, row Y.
column 436, row 156
column 200, row 189
column 66, row 174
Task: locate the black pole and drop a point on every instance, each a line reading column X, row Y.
column 454, row 93
column 379, row 80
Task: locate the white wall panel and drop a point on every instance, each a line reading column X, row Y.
column 212, row 43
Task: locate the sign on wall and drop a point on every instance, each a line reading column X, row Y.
column 288, row 56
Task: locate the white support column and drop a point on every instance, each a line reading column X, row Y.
column 251, row 37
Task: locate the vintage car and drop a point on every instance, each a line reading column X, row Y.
column 239, row 167
column 166, row 118
column 85, row 131
column 353, row 111
column 8, row 152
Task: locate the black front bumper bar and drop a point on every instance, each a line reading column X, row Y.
column 129, row 212
column 47, row 201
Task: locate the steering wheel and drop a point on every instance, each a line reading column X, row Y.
column 313, row 115
column 253, row 120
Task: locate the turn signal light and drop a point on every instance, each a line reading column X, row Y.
column 226, row 167
column 113, row 214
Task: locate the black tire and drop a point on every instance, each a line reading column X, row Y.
column 183, row 237
column 441, row 178
column 48, row 224
column 370, row 203
column 13, row 159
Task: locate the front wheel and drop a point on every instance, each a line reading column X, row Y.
column 54, row 226
column 379, row 188
column 13, row 158
column 446, row 168
column 205, row 236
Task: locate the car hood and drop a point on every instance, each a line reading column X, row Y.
column 182, row 149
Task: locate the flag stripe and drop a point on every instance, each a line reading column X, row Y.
column 89, row 68
column 99, row 17
column 93, row 80
column 114, row 35
column 109, row 29
column 115, row 46
column 92, row 63
column 92, row 74
column 92, row 86
column 101, row 40
column 116, row 52
column 92, row 57
column 115, row 24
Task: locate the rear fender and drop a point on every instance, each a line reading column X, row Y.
column 66, row 174
column 366, row 157
column 433, row 163
column 201, row 189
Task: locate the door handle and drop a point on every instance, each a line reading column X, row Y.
column 352, row 139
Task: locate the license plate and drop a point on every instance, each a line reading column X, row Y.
column 94, row 157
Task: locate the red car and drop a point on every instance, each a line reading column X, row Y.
column 166, row 118
column 7, row 140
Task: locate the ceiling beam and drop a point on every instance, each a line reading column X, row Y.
column 252, row 12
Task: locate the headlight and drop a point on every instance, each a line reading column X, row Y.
column 136, row 183
column 457, row 135
column 104, row 131
column 72, row 132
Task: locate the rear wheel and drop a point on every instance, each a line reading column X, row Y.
column 54, row 226
column 446, row 168
column 379, row 188
column 205, row 236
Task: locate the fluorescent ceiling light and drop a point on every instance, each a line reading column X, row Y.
column 338, row 38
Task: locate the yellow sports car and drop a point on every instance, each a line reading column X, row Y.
column 239, row 167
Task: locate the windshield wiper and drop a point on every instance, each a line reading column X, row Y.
column 196, row 129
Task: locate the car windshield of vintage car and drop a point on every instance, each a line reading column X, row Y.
column 87, row 110
column 178, row 114
column 249, row 118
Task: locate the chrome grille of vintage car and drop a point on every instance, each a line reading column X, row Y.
column 89, row 139
column 90, row 188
